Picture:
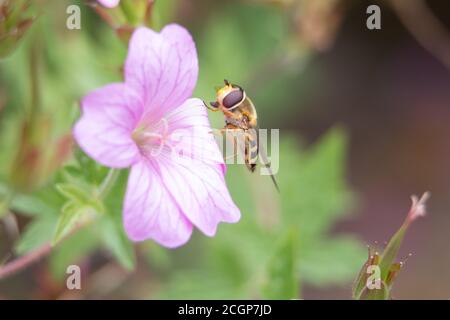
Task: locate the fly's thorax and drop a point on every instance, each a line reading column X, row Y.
column 248, row 113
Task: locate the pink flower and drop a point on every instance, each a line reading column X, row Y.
column 140, row 122
column 109, row 3
column 418, row 207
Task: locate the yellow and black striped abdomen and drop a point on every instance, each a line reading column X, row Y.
column 251, row 149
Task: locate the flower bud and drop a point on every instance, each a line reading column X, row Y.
column 378, row 273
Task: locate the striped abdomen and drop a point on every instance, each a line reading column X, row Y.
column 251, row 149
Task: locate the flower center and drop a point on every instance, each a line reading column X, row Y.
column 151, row 138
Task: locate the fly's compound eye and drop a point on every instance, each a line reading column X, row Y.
column 233, row 98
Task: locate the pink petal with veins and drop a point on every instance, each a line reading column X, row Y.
column 200, row 192
column 150, row 212
column 162, row 67
column 194, row 183
column 191, row 133
column 109, row 116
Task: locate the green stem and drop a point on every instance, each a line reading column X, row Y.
column 108, row 183
column 128, row 11
column 35, row 104
column 148, row 13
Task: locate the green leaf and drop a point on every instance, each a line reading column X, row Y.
column 37, row 233
column 156, row 256
column 314, row 193
column 389, row 255
column 282, row 279
column 332, row 261
column 71, row 214
column 72, row 251
column 113, row 235
column 30, row 205
column 92, row 172
column 163, row 13
column 74, row 192
column 375, row 294
column 44, row 206
column 47, row 200
column 116, row 241
column 80, row 196
column 72, row 170
column 199, row 284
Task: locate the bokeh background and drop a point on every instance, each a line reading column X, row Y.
column 364, row 123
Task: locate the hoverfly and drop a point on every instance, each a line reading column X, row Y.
column 240, row 114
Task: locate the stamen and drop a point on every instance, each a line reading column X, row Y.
column 151, row 139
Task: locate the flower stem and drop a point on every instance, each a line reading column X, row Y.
column 35, row 104
column 108, row 183
column 128, row 11
column 24, row 261
column 148, row 13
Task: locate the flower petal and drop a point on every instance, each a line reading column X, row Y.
column 162, row 67
column 150, row 212
column 200, row 191
column 109, row 3
column 110, row 114
column 191, row 134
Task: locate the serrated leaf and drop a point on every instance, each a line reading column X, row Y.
column 71, row 213
column 74, row 192
column 314, row 193
column 282, row 275
column 92, row 172
column 314, row 196
column 78, row 195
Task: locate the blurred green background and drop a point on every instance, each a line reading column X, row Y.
column 363, row 118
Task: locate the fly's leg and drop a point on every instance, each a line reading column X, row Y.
column 209, row 107
column 234, row 141
column 231, row 133
column 237, row 123
column 234, row 120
